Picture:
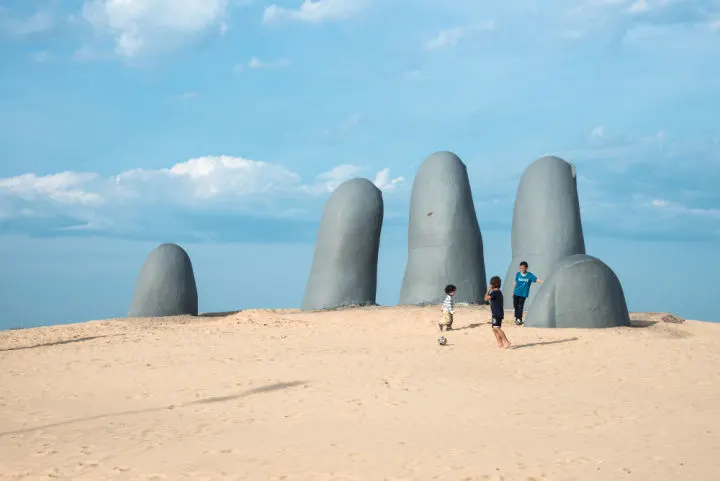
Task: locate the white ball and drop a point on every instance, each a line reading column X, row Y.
column 442, row 341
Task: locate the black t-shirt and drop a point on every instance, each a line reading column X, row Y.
column 496, row 304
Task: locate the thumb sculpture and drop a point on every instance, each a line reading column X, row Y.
column 166, row 285
column 581, row 291
column 578, row 290
column 546, row 221
column 344, row 269
column 444, row 241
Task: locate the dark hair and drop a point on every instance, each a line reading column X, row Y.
column 495, row 282
column 450, row 288
column 523, row 263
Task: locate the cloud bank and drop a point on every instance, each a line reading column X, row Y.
column 204, row 186
column 139, row 26
column 314, row 11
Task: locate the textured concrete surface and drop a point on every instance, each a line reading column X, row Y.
column 166, row 285
column 582, row 291
column 444, row 241
column 344, row 268
column 546, row 221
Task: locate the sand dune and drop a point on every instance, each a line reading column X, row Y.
column 358, row 394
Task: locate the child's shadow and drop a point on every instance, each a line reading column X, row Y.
column 543, row 343
column 471, row 326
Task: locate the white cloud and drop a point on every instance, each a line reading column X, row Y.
column 65, row 187
column 208, row 177
column 142, row 25
column 598, row 132
column 445, row 38
column 384, row 182
column 451, row 36
column 257, row 64
column 675, row 209
column 317, row 11
column 222, row 183
column 594, row 4
column 639, row 6
column 328, row 181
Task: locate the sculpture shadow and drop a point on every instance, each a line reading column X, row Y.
column 641, row 323
column 218, row 314
column 55, row 343
column 545, row 343
column 210, row 400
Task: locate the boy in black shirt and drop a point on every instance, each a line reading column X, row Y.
column 495, row 296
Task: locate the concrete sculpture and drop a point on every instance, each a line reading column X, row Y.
column 166, row 285
column 546, row 221
column 581, row 291
column 344, row 268
column 444, row 241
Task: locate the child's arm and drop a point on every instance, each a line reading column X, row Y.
column 487, row 294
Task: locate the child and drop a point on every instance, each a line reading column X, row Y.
column 448, row 308
column 495, row 296
column 521, row 290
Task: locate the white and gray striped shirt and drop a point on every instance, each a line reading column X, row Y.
column 449, row 304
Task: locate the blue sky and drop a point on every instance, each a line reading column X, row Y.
column 224, row 125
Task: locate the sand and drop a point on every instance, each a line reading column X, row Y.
column 358, row 394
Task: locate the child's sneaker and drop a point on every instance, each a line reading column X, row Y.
column 518, row 322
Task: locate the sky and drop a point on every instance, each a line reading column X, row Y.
column 224, row 125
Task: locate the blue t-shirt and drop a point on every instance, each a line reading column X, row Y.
column 496, row 304
column 522, row 284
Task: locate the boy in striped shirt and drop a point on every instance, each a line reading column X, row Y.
column 448, row 308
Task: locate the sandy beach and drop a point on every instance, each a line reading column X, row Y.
column 358, row 394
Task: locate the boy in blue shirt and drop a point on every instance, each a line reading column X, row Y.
column 521, row 290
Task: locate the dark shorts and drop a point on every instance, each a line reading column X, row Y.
column 497, row 322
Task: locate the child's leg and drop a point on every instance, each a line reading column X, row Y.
column 521, row 307
column 503, row 337
column 497, row 336
column 449, row 321
column 516, row 303
column 446, row 321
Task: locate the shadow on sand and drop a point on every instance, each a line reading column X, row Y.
column 544, row 343
column 471, row 326
column 641, row 323
column 217, row 314
column 55, row 343
column 210, row 400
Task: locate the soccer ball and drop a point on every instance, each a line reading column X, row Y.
column 442, row 341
